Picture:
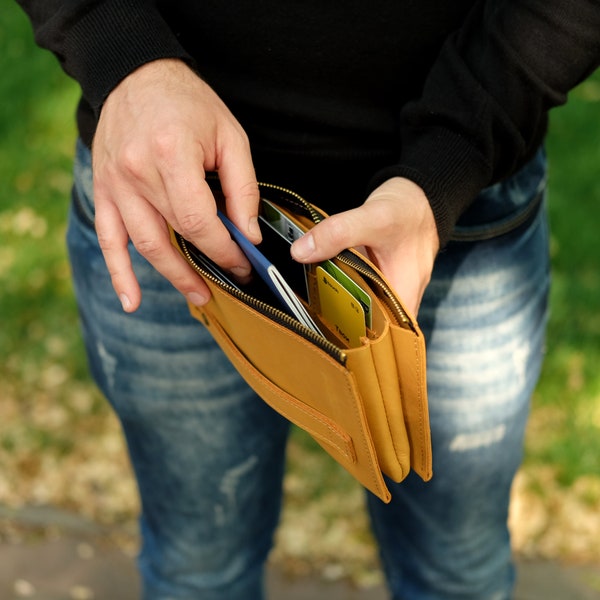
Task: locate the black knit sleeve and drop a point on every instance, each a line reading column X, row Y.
column 483, row 110
column 99, row 42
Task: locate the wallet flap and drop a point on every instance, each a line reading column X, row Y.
column 409, row 350
column 375, row 369
column 299, row 381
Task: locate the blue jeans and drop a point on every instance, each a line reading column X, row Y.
column 209, row 455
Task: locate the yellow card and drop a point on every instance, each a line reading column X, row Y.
column 340, row 308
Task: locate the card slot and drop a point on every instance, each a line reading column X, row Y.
column 302, row 222
column 379, row 313
column 327, row 329
column 277, row 250
column 255, row 288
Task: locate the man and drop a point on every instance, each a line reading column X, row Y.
column 419, row 127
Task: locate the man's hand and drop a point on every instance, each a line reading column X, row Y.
column 397, row 229
column 160, row 129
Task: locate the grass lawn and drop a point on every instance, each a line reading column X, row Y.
column 569, row 391
column 60, row 444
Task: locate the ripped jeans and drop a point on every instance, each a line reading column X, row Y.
column 208, row 454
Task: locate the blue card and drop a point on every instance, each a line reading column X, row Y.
column 270, row 275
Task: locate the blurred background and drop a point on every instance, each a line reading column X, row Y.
column 60, row 446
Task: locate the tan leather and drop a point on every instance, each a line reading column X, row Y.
column 370, row 414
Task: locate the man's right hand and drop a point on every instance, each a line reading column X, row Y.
column 159, row 131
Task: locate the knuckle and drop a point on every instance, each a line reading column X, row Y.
column 244, row 140
column 233, row 141
column 379, row 212
column 249, row 191
column 164, row 144
column 237, row 134
column 106, row 241
column 337, row 231
column 149, row 248
column 132, row 160
column 193, row 225
column 100, row 185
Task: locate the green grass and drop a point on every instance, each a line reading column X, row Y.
column 41, row 355
column 37, row 133
column 42, row 360
column 570, row 384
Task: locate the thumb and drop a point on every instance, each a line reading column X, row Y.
column 330, row 237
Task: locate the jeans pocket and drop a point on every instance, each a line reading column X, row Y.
column 505, row 206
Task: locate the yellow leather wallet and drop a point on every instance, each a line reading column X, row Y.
column 364, row 402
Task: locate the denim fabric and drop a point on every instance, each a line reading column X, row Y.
column 503, row 204
column 209, row 455
column 484, row 317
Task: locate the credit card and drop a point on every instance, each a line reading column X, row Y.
column 280, row 222
column 359, row 294
column 271, row 276
column 276, row 247
column 290, row 231
column 340, row 308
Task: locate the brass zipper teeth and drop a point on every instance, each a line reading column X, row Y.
column 273, row 313
column 390, row 297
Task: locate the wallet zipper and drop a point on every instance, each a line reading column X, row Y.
column 353, row 261
column 347, row 257
column 269, row 311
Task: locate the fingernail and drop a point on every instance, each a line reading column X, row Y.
column 303, row 247
column 197, row 298
column 254, row 228
column 241, row 271
column 125, row 302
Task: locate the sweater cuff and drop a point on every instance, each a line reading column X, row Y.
column 113, row 39
column 447, row 167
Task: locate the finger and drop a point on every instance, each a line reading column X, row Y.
column 406, row 281
column 332, row 236
column 113, row 240
column 240, row 188
column 352, row 229
column 193, row 213
column 197, row 221
column 153, row 242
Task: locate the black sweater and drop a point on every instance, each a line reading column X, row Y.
column 452, row 94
